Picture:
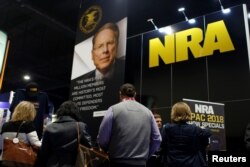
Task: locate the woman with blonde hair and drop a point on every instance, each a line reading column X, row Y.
column 23, row 116
column 182, row 142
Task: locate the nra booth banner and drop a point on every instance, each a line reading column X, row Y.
column 202, row 60
column 207, row 60
column 210, row 115
column 99, row 58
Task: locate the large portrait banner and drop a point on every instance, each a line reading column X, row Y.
column 99, row 59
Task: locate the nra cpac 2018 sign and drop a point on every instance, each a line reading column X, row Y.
column 209, row 115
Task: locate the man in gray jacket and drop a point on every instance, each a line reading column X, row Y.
column 128, row 131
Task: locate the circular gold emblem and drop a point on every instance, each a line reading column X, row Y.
column 90, row 19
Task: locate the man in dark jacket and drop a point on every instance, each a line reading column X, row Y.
column 60, row 142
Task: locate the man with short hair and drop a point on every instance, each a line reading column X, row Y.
column 128, row 131
column 158, row 120
column 156, row 159
column 104, row 51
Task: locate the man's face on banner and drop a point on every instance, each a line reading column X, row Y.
column 104, row 50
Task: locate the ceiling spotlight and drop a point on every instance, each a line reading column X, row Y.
column 26, row 77
column 222, row 8
column 183, row 11
column 152, row 21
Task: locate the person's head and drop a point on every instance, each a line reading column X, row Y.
column 24, row 111
column 158, row 120
column 127, row 90
column 32, row 90
column 68, row 108
column 180, row 112
column 105, row 45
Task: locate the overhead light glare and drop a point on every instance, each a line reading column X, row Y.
column 191, row 21
column 26, row 77
column 225, row 11
column 182, row 10
column 166, row 30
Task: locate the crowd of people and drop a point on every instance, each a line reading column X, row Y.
column 129, row 133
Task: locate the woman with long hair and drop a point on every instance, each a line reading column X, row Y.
column 60, row 143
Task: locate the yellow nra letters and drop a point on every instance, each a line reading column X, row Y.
column 175, row 48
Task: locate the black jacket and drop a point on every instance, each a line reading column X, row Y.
column 59, row 144
column 247, row 137
column 182, row 144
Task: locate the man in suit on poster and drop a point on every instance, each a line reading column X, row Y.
column 104, row 53
column 109, row 68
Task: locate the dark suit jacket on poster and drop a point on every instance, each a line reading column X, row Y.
column 112, row 84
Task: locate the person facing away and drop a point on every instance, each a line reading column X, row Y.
column 23, row 116
column 247, row 138
column 59, row 143
column 181, row 142
column 128, row 131
column 40, row 100
column 247, row 142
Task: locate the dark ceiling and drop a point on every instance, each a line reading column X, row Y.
column 42, row 35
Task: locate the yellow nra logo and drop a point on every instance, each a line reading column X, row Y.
column 175, row 48
column 90, row 19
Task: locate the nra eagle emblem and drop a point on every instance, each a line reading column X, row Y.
column 90, row 19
